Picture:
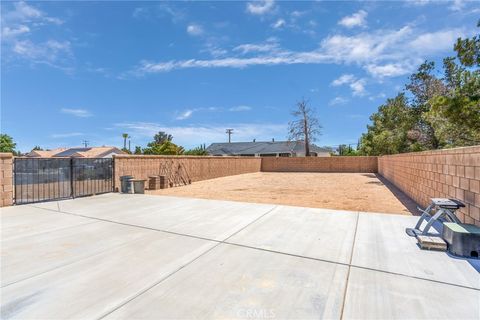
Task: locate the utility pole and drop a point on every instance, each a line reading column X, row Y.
column 85, row 143
column 129, row 145
column 229, row 132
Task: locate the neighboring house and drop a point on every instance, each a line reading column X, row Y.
column 89, row 152
column 266, row 149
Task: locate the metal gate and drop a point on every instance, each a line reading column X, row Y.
column 44, row 179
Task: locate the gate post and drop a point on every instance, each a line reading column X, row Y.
column 113, row 173
column 6, row 172
column 72, row 194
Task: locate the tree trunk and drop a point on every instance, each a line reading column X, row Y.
column 307, row 143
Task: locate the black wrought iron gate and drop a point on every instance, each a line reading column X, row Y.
column 44, row 179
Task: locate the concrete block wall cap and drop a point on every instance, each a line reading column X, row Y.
column 154, row 156
column 458, row 150
column 6, row 155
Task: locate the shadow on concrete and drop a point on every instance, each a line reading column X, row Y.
column 408, row 202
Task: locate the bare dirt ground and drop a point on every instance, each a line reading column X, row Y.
column 341, row 191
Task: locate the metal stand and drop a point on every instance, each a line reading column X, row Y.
column 444, row 209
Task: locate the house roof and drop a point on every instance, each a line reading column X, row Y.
column 90, row 152
column 45, row 153
column 261, row 147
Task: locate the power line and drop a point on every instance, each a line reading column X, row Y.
column 85, row 143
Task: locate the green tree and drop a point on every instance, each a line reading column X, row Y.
column 161, row 137
column 442, row 111
column 455, row 115
column 6, row 143
column 391, row 129
column 424, row 86
column 198, row 151
column 37, row 148
column 468, row 50
column 166, row 148
column 138, row 150
column 347, row 150
column 125, row 136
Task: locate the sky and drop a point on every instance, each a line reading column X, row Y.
column 75, row 71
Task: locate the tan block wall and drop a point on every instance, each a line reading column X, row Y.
column 449, row 173
column 320, row 164
column 6, row 174
column 197, row 168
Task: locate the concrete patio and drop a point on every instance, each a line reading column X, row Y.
column 140, row 256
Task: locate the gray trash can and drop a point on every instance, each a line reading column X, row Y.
column 138, row 185
column 126, row 184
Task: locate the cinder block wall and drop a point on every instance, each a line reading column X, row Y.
column 197, row 168
column 320, row 164
column 6, row 172
column 449, row 173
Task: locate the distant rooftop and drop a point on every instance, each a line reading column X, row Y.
column 263, row 147
column 78, row 152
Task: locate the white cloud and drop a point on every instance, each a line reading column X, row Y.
column 185, row 115
column 25, row 13
column 66, row 135
column 8, row 32
column 343, row 79
column 382, row 53
column 381, row 95
column 215, row 51
column 19, row 25
column 438, row 41
column 297, row 14
column 80, row 113
column 388, row 70
column 251, row 47
column 195, row 30
column 260, row 7
column 457, row 5
column 356, row 85
column 160, row 10
column 190, row 136
column 140, row 12
column 355, row 20
column 46, row 52
column 418, row 2
column 240, row 108
column 280, row 23
column 338, row 101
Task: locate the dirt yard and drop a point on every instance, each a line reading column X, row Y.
column 343, row 191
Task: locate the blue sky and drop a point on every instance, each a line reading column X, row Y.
column 74, row 71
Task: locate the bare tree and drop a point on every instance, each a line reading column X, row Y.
column 305, row 127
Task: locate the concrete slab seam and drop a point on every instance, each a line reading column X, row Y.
column 77, row 260
column 181, row 267
column 267, row 250
column 349, row 266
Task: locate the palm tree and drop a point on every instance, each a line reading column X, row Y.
column 125, row 137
